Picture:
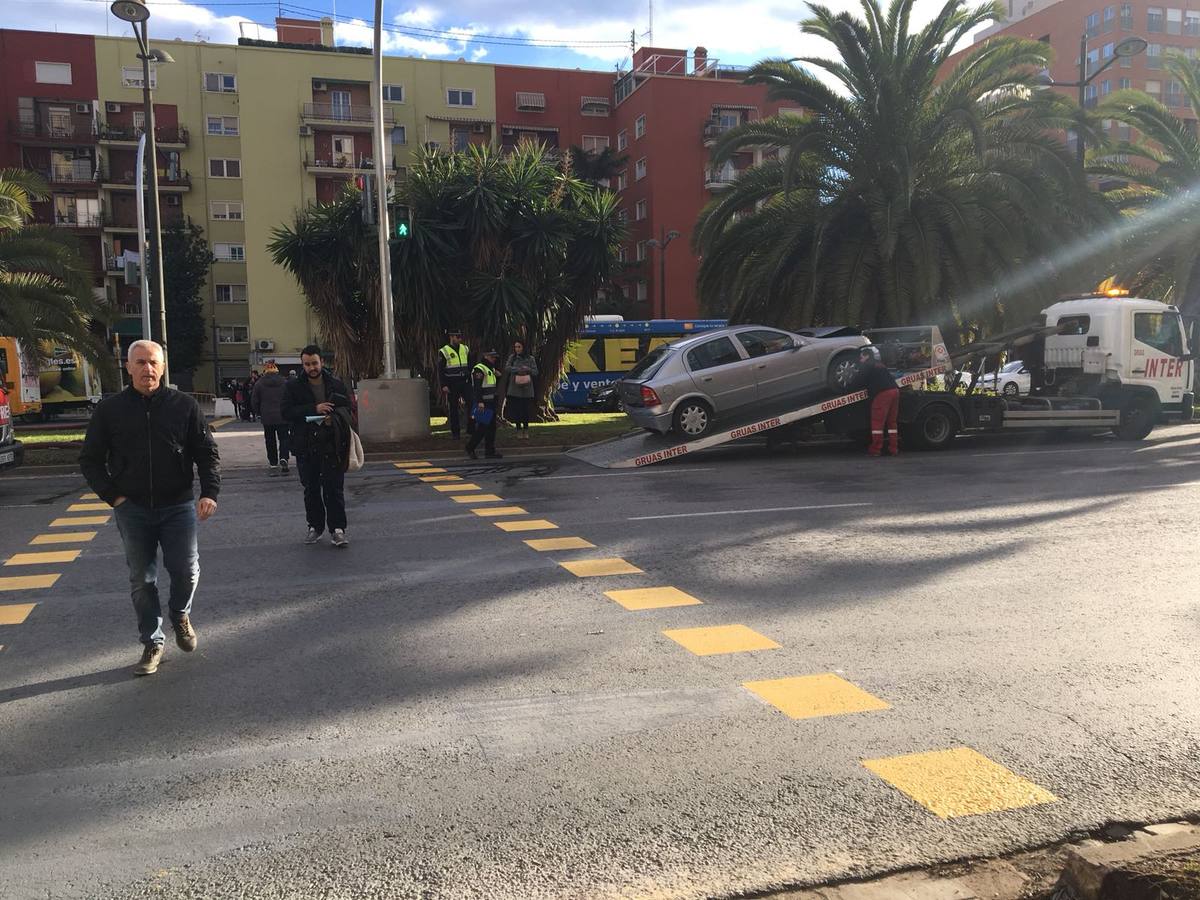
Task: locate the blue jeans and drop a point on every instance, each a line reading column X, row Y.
column 143, row 531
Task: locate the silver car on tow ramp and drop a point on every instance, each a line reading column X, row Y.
column 686, row 386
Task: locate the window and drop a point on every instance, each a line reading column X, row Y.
column 233, row 334
column 227, row 125
column 531, row 101
column 131, row 77
column 224, row 168
column 1160, row 331
column 719, row 352
column 1105, row 87
column 1107, row 52
column 622, row 216
column 1126, row 17
column 639, row 126
column 1154, row 56
column 1154, row 89
column 1074, row 325
column 1089, row 95
column 227, row 210
column 622, row 254
column 622, row 139
column 456, row 97
column 622, row 181
column 59, row 122
column 399, row 135
column 1110, row 19
column 220, row 83
column 1125, row 84
column 1093, row 24
column 763, row 342
column 639, row 210
column 595, row 143
column 641, row 250
column 1174, row 21
column 593, row 106
column 53, row 72
column 1093, row 61
column 1154, row 18
column 1174, row 94
column 231, row 293
column 229, row 252
column 393, row 93
column 642, row 292
column 139, row 121
column 639, row 169
column 1191, row 23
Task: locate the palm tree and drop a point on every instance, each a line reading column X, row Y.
column 1155, row 182
column 45, row 290
column 596, row 168
column 911, row 190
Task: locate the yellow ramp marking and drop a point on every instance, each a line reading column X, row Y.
column 39, row 559
column 75, row 522
column 89, row 496
column 218, row 423
column 590, row 568
column 465, row 486
column 652, row 598
column 88, row 507
column 15, row 613
column 428, row 479
column 811, row 696
column 27, row 582
column 563, row 543
column 413, row 463
column 720, row 639
column 958, row 782
column 525, row 525
column 500, row 511
column 478, row 498
column 425, row 470
column 64, row 537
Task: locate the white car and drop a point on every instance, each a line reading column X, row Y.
column 1011, row 381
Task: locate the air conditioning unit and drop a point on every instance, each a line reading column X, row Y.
column 479, row 128
column 264, row 345
column 83, row 108
column 320, row 86
column 112, row 107
column 506, row 132
column 305, row 131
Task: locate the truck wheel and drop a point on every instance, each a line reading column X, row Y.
column 935, row 427
column 1137, row 420
column 693, row 418
column 842, row 371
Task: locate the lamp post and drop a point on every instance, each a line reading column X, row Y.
column 662, row 242
column 1131, row 46
column 385, row 258
column 136, row 13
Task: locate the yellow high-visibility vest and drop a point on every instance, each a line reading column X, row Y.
column 489, row 375
column 456, row 359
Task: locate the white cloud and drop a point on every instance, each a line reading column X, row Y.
column 169, row 19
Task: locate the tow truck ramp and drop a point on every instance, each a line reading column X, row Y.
column 641, row 448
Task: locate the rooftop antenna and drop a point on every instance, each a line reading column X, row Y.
column 649, row 35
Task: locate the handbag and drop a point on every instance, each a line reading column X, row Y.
column 522, row 379
column 356, row 452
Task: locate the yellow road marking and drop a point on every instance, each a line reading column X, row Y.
column 652, row 598
column 217, row 423
column 413, row 463
column 27, row 582
column 525, row 525
column 478, row 498
column 431, row 478
column 425, row 470
column 465, row 486
column 65, row 537
column 590, row 568
column 720, row 639
column 89, row 496
column 88, row 507
column 958, row 782
column 563, row 543
column 500, row 511
column 811, row 696
column 45, row 556
column 15, row 613
column 67, row 522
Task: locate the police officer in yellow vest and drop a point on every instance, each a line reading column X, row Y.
column 454, row 368
column 484, row 379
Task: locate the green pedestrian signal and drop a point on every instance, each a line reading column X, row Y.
column 401, row 229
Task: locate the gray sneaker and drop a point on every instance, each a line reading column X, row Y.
column 339, row 538
column 151, row 657
column 313, row 536
column 274, row 471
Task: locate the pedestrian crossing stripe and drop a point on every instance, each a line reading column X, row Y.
column 88, row 507
column 635, row 599
column 465, row 486
column 815, row 696
column 89, row 496
column 42, row 558
column 426, row 470
column 15, row 613
column 429, row 479
column 499, row 511
column 525, row 525
column 559, row 543
column 68, row 522
column 718, row 639
column 592, row 568
column 27, row 582
column 65, row 537
column 478, row 498
column 416, row 463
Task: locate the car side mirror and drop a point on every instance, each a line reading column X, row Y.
column 795, row 345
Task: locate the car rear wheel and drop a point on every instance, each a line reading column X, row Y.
column 842, row 371
column 693, row 418
column 1011, row 389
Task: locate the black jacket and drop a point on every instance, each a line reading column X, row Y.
column 267, row 397
column 298, row 402
column 876, row 378
column 145, row 448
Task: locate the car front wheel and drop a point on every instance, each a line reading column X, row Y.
column 842, row 372
column 693, row 418
column 1011, row 389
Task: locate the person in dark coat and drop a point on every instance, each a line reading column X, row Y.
column 318, row 445
column 485, row 378
column 267, row 400
column 454, row 371
column 519, row 373
column 884, row 396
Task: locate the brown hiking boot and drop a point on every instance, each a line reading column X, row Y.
column 151, row 657
column 185, row 634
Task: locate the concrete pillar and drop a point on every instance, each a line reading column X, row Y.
column 392, row 410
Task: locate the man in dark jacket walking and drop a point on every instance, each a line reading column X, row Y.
column 308, row 405
column 267, row 400
column 138, row 456
column 884, row 395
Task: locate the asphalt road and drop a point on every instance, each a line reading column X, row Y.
column 443, row 711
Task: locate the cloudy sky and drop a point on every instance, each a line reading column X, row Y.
column 590, row 35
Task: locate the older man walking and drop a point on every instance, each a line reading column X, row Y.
column 266, row 399
column 142, row 449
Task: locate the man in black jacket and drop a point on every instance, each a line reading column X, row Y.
column 266, row 400
column 884, row 394
column 138, row 456
column 316, row 445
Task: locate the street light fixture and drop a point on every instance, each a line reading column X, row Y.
column 662, row 242
column 136, row 13
column 1131, row 46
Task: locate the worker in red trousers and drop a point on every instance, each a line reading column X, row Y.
column 884, row 395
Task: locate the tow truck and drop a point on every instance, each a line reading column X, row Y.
column 1105, row 362
column 11, row 451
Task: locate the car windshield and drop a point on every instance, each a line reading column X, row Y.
column 1012, row 366
column 648, row 364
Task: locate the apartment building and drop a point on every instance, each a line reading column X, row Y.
column 250, row 134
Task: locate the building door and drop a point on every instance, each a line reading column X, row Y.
column 64, row 209
column 58, row 118
column 343, row 150
column 87, row 212
column 339, row 102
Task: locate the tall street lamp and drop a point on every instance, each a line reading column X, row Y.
column 1131, row 46
column 136, row 13
column 662, row 242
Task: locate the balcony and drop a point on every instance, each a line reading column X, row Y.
column 125, row 181
column 82, row 173
column 79, row 220
column 51, row 132
column 126, row 218
column 713, row 131
column 169, row 136
column 341, row 165
column 719, row 179
column 346, row 117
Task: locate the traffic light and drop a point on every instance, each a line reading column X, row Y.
column 366, row 187
column 401, row 221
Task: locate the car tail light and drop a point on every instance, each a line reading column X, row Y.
column 649, row 397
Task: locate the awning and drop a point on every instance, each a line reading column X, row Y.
column 733, row 106
column 463, row 120
column 594, row 101
column 550, row 129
